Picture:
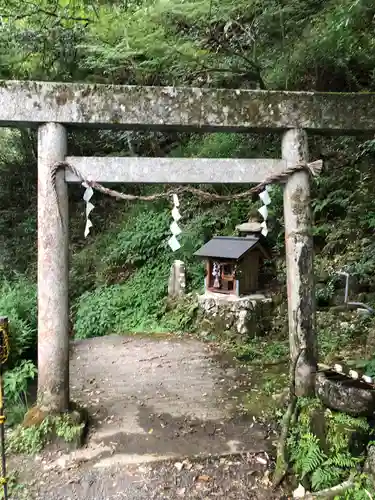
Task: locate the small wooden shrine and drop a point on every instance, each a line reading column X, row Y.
column 233, row 262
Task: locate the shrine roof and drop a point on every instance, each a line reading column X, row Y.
column 227, row 247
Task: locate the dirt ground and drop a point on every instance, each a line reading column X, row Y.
column 164, row 424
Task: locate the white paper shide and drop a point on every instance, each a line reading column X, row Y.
column 263, row 210
column 87, row 195
column 174, row 227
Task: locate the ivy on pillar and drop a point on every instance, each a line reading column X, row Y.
column 53, row 244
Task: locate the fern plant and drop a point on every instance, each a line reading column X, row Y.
column 308, row 456
column 16, row 385
column 330, row 459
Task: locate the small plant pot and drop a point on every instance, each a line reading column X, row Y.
column 342, row 393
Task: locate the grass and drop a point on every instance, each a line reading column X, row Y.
column 341, row 337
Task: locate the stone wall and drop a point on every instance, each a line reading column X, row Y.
column 232, row 316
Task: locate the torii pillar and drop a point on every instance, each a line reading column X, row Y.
column 299, row 265
column 53, row 272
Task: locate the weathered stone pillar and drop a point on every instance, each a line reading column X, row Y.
column 53, row 307
column 177, row 279
column 299, row 263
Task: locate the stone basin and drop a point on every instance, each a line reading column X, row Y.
column 342, row 393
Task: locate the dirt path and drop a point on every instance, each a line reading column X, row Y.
column 153, row 403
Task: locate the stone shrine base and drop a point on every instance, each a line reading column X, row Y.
column 245, row 316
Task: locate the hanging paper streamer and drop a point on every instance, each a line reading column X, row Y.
column 264, row 212
column 174, row 227
column 266, row 200
column 88, row 194
column 264, row 228
column 265, row 197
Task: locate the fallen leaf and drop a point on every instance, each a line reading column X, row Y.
column 181, row 492
column 203, row 478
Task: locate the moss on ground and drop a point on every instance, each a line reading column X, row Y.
column 40, row 429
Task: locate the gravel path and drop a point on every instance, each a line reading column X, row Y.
column 163, row 425
column 240, row 477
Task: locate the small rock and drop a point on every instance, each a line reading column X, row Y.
column 179, row 466
column 143, row 469
column 300, row 492
column 187, row 465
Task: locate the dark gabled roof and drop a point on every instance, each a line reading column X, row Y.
column 227, row 247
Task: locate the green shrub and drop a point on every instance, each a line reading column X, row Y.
column 329, row 458
column 18, row 301
column 16, row 384
column 139, row 249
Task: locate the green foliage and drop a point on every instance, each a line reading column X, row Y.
column 367, row 365
column 17, row 201
column 179, row 315
column 296, row 44
column 29, row 440
column 339, row 335
column 119, row 275
column 16, row 385
column 327, row 458
column 363, row 489
column 32, row 440
column 137, row 259
column 261, row 351
column 273, row 383
column 323, row 295
column 18, row 302
column 308, row 456
column 66, row 429
column 15, row 489
column 142, row 239
column 370, row 367
column 121, row 308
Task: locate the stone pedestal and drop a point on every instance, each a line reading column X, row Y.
column 229, row 315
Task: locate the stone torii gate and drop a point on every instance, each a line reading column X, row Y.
column 54, row 107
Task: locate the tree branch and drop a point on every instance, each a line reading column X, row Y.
column 328, row 493
column 250, row 62
column 282, row 462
